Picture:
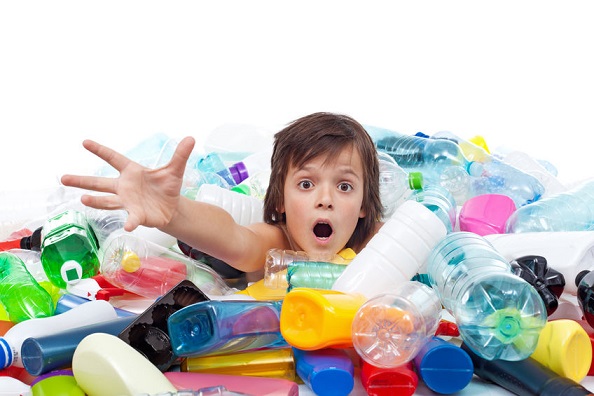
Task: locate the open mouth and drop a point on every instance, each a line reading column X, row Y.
column 322, row 230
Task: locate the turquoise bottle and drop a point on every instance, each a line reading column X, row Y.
column 20, row 294
column 499, row 314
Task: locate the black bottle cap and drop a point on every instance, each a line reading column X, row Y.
column 580, row 276
column 32, row 242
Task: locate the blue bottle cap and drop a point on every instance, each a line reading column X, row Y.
column 332, row 381
column 6, row 356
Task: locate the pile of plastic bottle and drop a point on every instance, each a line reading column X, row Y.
column 480, row 280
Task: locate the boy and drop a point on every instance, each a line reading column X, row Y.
column 323, row 195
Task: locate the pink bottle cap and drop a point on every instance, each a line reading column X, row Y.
column 486, row 214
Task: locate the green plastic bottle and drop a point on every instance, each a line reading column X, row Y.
column 20, row 294
column 69, row 249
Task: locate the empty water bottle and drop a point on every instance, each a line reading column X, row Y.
column 438, row 200
column 396, row 184
column 571, row 210
column 499, row 314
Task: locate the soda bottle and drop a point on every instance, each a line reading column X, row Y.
column 499, row 314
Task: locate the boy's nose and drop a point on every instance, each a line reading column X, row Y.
column 324, row 198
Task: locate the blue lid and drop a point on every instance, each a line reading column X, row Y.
column 6, row 356
column 446, row 368
column 332, row 381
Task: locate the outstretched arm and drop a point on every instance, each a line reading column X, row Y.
column 152, row 198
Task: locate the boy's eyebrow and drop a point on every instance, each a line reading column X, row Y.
column 347, row 169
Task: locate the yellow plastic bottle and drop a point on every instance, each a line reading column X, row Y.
column 564, row 347
column 316, row 318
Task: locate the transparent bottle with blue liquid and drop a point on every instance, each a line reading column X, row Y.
column 439, row 200
column 225, row 326
column 499, row 314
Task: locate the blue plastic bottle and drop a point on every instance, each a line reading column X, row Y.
column 20, row 294
column 571, row 210
column 499, row 314
column 218, row 327
column 326, row 371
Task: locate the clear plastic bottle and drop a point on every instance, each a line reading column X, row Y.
column 396, row 184
column 499, row 314
column 390, row 329
column 212, row 163
column 20, row 294
column 244, row 209
column 521, row 160
column 69, row 248
column 395, row 254
column 256, row 185
column 432, row 156
column 151, row 270
column 572, row 210
column 438, row 200
column 286, row 269
column 221, row 327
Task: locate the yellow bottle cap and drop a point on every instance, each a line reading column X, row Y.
column 564, row 347
column 480, row 141
column 130, row 262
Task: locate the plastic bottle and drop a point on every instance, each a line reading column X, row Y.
column 286, row 269
column 486, row 214
column 20, row 294
column 315, row 318
column 395, row 254
column 390, row 329
column 438, row 200
column 432, row 156
column 103, row 364
column 60, row 382
column 255, row 185
column 524, row 377
column 151, row 270
column 564, row 347
column 499, row 314
column 267, row 362
column 68, row 248
column 572, row 210
column 10, row 344
column 396, row 185
column 443, row 366
column 46, row 353
column 569, row 252
column 212, row 163
column 220, row 327
column 585, row 294
column 380, row 381
column 244, row 209
column 327, row 371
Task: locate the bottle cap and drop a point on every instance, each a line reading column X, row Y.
column 242, row 189
column 6, row 356
column 580, row 276
column 479, row 141
column 239, row 172
column 564, row 347
column 486, row 214
column 71, row 271
column 415, row 180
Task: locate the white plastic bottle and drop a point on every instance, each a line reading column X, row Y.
column 244, row 209
column 395, row 254
column 88, row 313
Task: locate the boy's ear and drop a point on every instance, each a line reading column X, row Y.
column 362, row 213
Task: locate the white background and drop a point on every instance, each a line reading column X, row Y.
column 519, row 73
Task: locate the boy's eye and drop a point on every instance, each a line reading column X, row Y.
column 345, row 187
column 305, row 184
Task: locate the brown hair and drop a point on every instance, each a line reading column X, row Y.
column 324, row 134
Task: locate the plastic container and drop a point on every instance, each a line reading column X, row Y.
column 566, row 252
column 212, row 163
column 395, row 183
column 267, row 362
column 86, row 314
column 20, row 294
column 69, row 248
column 444, row 367
column 43, row 354
column 395, row 254
column 151, row 270
column 103, row 364
column 59, row 383
column 221, row 327
column 390, row 329
column 326, row 371
column 286, row 269
column 524, row 377
column 499, row 314
column 316, row 318
column 572, row 210
column 585, row 294
column 438, row 200
column 244, row 209
column 486, row 214
column 380, row 381
column 564, row 346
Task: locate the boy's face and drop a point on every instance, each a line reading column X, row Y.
column 323, row 202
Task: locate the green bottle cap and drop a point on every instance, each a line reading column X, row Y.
column 242, row 189
column 415, row 180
